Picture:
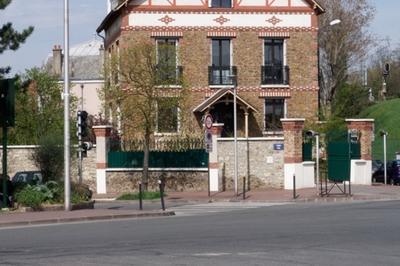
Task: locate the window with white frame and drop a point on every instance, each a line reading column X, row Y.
column 221, row 3
column 274, row 110
column 274, row 69
column 167, row 60
column 167, row 116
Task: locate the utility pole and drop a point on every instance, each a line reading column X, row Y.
column 67, row 140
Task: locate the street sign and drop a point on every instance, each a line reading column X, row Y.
column 208, row 121
column 208, row 141
column 278, row 147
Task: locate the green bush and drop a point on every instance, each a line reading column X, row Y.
column 80, row 193
column 30, row 196
column 49, row 157
column 145, row 195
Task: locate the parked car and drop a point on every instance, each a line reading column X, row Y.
column 393, row 173
column 376, row 164
column 27, row 177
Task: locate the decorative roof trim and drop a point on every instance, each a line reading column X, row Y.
column 217, row 96
column 281, row 34
column 166, row 34
column 221, row 34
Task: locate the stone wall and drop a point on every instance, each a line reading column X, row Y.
column 257, row 161
column 20, row 159
column 128, row 180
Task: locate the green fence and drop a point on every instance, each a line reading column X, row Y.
column 392, row 147
column 339, row 155
column 197, row 158
column 307, row 151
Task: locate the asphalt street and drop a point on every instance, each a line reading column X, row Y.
column 298, row 234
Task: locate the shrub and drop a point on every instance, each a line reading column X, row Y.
column 30, row 196
column 80, row 193
column 49, row 157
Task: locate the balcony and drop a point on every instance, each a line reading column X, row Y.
column 169, row 75
column 275, row 75
column 221, row 75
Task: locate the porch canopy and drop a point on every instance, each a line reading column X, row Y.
column 226, row 96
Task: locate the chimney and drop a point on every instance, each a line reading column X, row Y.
column 101, row 54
column 57, row 60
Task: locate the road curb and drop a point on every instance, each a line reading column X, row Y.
column 87, row 218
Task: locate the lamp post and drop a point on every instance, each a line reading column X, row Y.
column 331, row 23
column 233, row 78
column 67, row 185
column 384, row 135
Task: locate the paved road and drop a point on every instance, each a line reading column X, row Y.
column 301, row 234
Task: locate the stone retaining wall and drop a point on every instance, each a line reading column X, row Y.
column 20, row 159
column 262, row 166
column 127, row 180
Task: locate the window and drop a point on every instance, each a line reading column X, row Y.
column 167, row 59
column 274, row 111
column 167, row 116
column 221, row 68
column 221, row 3
column 274, row 71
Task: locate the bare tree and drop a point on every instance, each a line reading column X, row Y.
column 342, row 45
column 142, row 84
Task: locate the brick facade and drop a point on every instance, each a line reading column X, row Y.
column 247, row 47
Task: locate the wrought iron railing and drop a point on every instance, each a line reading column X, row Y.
column 274, row 75
column 222, row 75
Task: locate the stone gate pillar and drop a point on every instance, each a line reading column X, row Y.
column 103, row 134
column 293, row 150
column 213, row 163
column 361, row 170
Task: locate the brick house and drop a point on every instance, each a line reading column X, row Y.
column 268, row 47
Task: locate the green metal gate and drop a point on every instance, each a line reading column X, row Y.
column 340, row 153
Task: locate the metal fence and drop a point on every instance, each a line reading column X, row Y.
column 170, row 144
column 164, row 153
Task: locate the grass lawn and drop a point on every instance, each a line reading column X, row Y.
column 387, row 117
column 135, row 196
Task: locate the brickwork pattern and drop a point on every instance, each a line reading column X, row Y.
column 366, row 129
column 293, row 134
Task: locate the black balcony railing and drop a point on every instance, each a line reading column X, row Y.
column 222, row 75
column 275, row 75
column 169, row 75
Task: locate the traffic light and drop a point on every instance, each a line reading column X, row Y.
column 82, row 123
column 7, row 103
column 386, row 69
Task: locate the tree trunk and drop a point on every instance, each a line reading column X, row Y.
column 146, row 151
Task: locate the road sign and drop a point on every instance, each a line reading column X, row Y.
column 208, row 121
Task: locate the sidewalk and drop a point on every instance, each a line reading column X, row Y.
column 359, row 193
column 51, row 217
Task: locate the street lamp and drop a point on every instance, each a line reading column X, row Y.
column 235, row 175
column 334, row 22
column 384, row 135
column 67, row 185
column 331, row 23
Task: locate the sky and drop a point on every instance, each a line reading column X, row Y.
column 85, row 16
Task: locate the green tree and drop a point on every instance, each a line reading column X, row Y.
column 341, row 46
column 143, row 87
column 10, row 39
column 39, row 108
